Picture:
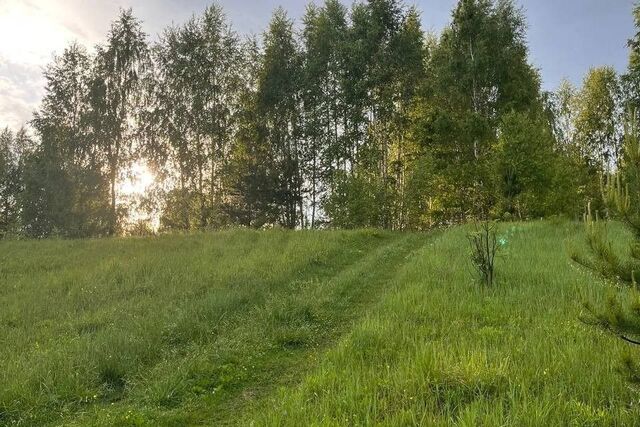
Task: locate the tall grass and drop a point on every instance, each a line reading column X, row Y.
column 311, row 328
column 440, row 351
column 155, row 323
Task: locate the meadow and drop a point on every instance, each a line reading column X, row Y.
column 307, row 328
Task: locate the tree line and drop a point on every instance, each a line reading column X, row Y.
column 355, row 117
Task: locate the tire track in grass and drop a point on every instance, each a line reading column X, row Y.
column 271, row 345
column 332, row 306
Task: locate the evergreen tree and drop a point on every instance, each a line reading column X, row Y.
column 622, row 193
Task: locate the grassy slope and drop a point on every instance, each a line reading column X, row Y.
column 439, row 352
column 176, row 329
column 282, row 328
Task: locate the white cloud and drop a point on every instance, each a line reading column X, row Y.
column 32, row 31
column 30, row 34
column 21, row 88
column 29, row 37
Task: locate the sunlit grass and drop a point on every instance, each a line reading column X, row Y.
column 440, row 351
column 319, row 328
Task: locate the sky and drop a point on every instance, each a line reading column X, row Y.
column 566, row 37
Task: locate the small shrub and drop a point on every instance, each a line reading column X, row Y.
column 484, row 249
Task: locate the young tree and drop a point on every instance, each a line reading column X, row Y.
column 622, row 196
column 622, row 193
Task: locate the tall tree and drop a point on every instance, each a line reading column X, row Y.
column 11, row 150
column 223, row 80
column 597, row 123
column 480, row 71
column 278, row 105
column 409, row 61
column 115, row 98
column 176, row 134
column 384, row 55
column 65, row 190
column 564, row 111
column 524, row 165
column 252, row 178
column 197, row 101
column 323, row 97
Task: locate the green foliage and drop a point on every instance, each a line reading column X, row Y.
column 193, row 111
column 622, row 197
column 597, row 136
column 597, row 121
column 480, row 124
column 484, row 250
column 278, row 109
column 65, row 187
column 359, row 201
column 115, row 100
column 525, row 162
column 10, row 182
column 631, row 79
column 421, row 194
column 356, row 120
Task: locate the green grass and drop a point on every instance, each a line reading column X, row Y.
column 306, row 328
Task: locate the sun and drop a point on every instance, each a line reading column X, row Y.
column 137, row 181
column 136, row 185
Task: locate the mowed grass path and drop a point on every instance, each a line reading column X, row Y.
column 307, row 328
column 179, row 329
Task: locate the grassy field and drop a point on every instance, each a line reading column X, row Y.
column 306, row 328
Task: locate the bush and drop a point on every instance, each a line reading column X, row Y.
column 484, row 248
